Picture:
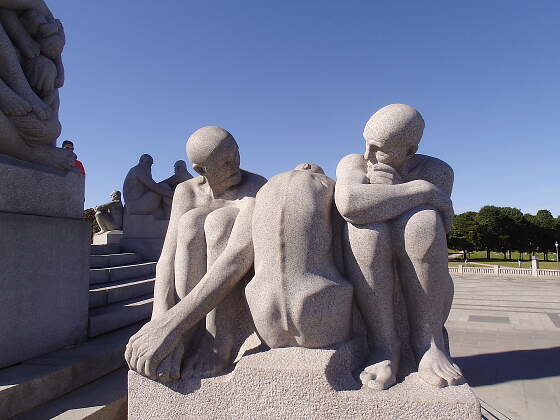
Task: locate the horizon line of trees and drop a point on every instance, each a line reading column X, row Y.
column 504, row 229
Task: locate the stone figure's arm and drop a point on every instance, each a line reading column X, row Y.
column 164, row 289
column 223, row 276
column 17, row 33
column 103, row 206
column 38, row 5
column 361, row 203
column 149, row 183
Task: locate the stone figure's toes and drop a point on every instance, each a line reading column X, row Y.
column 379, row 376
column 432, row 378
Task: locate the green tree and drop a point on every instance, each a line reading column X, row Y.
column 89, row 214
column 511, row 230
column 546, row 224
column 464, row 233
column 488, row 219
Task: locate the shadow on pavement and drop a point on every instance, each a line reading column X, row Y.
column 494, row 368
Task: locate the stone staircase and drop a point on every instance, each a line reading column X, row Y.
column 121, row 289
column 87, row 380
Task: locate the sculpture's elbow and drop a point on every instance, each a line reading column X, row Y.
column 343, row 200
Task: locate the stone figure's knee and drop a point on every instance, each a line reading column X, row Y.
column 219, row 223
column 191, row 226
column 424, row 230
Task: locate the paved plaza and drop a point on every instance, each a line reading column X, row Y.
column 505, row 336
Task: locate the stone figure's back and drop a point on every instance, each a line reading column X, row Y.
column 297, row 297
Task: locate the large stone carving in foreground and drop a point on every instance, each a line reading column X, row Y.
column 31, row 71
column 306, row 349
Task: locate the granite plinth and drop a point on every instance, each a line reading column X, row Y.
column 44, row 260
column 109, row 237
column 44, row 282
column 144, row 226
column 27, row 188
column 296, row 383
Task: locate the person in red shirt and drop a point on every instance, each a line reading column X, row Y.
column 67, row 144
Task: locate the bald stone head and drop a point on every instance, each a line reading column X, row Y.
column 214, row 154
column 116, row 195
column 146, row 160
column 311, row 167
column 392, row 135
column 180, row 167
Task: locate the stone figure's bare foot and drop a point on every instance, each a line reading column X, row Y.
column 14, row 105
column 53, row 157
column 207, row 361
column 436, row 369
column 380, row 375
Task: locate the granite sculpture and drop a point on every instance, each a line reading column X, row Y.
column 307, row 339
column 144, row 196
column 298, row 297
column 181, row 174
column 398, row 209
column 109, row 215
column 31, row 72
column 206, row 259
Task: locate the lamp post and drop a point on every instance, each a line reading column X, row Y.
column 556, row 245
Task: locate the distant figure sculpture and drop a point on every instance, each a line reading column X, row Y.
column 142, row 195
column 181, row 174
column 298, row 298
column 398, row 208
column 109, row 216
column 31, row 71
column 207, row 254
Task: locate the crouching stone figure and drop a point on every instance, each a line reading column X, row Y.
column 208, row 253
column 109, row 216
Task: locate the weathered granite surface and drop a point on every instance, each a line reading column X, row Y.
column 295, row 382
column 44, row 278
column 27, row 188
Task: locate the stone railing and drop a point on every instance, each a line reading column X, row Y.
column 496, row 270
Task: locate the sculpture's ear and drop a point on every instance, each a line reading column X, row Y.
column 412, row 150
column 198, row 168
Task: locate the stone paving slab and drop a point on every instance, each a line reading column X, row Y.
column 514, row 366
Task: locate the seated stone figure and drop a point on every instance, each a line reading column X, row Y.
column 181, row 174
column 398, row 208
column 142, row 195
column 109, row 216
column 206, row 258
column 298, row 298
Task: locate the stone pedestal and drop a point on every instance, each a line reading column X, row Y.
column 296, row 383
column 108, row 238
column 44, row 260
column 144, row 234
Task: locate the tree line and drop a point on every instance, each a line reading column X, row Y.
column 504, row 229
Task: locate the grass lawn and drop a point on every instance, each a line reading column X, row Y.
column 478, row 258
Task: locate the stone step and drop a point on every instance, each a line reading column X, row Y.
column 103, row 399
column 42, row 379
column 108, row 293
column 105, row 249
column 117, row 315
column 111, row 274
column 113, row 260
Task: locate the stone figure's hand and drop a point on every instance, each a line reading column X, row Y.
column 41, row 73
column 29, row 48
column 14, row 105
column 150, row 346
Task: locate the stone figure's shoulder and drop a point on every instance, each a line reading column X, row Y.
column 431, row 169
column 189, row 186
column 253, row 181
column 352, row 168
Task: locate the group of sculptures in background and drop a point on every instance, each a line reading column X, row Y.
column 31, row 72
column 142, row 195
column 316, row 246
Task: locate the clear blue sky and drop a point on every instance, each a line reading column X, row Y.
column 296, row 81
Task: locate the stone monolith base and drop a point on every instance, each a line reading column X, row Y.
column 108, row 238
column 44, row 260
column 144, row 234
column 295, row 383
